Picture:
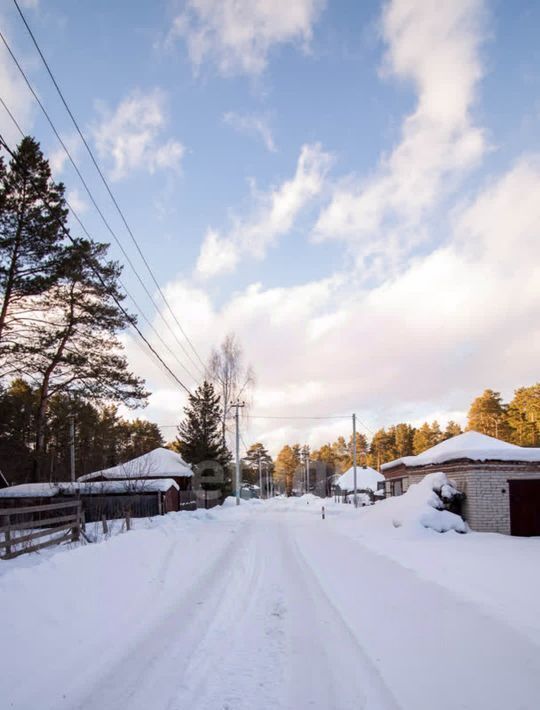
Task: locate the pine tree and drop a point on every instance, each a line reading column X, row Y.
column 361, row 453
column 426, row 436
column 524, row 416
column 199, row 435
column 75, row 348
column 257, row 452
column 404, row 438
column 452, row 429
column 382, row 449
column 287, row 463
column 140, row 436
column 32, row 216
column 422, row 439
column 340, row 453
column 487, row 415
column 325, row 453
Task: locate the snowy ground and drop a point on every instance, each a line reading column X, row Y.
column 270, row 607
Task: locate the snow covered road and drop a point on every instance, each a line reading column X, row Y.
column 284, row 611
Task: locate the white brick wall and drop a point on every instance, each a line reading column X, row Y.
column 487, row 503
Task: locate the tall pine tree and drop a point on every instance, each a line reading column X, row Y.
column 524, row 416
column 487, row 415
column 33, row 214
column 200, row 435
column 73, row 347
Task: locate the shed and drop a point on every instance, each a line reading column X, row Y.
column 484, row 469
column 157, row 464
column 110, row 498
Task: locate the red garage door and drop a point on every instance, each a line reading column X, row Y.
column 525, row 506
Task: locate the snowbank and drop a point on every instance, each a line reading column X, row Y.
column 423, row 505
column 470, row 445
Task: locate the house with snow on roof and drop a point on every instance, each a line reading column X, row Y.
column 159, row 463
column 367, row 482
column 500, row 481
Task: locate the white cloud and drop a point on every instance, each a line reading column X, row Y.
column 131, row 136
column 252, row 125
column 237, row 35
column 436, row 332
column 423, row 344
column 435, row 46
column 275, row 216
column 76, row 201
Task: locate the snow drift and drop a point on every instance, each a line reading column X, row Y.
column 423, row 505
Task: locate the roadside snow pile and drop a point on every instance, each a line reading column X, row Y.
column 230, row 502
column 424, row 504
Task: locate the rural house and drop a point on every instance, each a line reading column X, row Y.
column 367, row 482
column 501, row 481
column 159, row 463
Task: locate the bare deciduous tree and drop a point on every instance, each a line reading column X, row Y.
column 231, row 378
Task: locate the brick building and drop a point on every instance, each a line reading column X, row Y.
column 501, row 481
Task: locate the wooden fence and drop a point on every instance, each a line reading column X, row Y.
column 58, row 522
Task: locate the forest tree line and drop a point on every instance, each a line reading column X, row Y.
column 517, row 422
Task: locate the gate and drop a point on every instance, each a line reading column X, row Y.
column 524, row 506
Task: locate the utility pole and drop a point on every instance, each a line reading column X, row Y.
column 260, row 476
column 72, row 445
column 237, row 406
column 354, row 458
column 306, row 453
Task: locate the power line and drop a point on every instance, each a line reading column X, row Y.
column 106, row 184
column 292, row 418
column 268, row 416
column 128, row 317
column 93, row 200
column 85, row 230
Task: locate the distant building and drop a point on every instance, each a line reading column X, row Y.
column 501, row 481
column 367, row 481
column 321, row 475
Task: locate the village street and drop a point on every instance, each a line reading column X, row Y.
column 266, row 606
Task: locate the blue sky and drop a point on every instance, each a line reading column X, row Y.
column 350, row 187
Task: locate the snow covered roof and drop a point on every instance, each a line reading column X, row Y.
column 470, row 445
column 30, row 490
column 366, row 478
column 48, row 490
column 149, row 485
column 159, row 462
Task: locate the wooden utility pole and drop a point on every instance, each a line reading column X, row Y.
column 72, row 446
column 237, row 406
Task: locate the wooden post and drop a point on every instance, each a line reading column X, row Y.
column 323, row 512
column 104, row 524
column 7, row 535
column 128, row 519
column 77, row 527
